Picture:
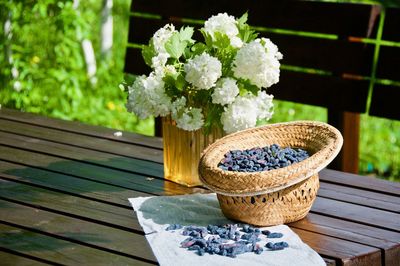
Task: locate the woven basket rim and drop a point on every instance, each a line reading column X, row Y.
column 305, row 169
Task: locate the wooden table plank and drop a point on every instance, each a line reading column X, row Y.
column 356, row 213
column 58, row 250
column 11, row 259
column 81, row 154
column 69, row 185
column 111, row 146
column 360, row 197
column 117, row 178
column 346, row 252
column 363, row 182
column 95, row 235
column 77, row 207
column 385, row 240
column 81, row 128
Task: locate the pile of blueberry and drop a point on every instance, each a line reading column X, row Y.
column 261, row 159
column 226, row 240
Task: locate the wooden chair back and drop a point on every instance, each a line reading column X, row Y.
column 325, row 60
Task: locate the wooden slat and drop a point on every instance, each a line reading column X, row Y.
column 100, row 174
column 325, row 91
column 387, row 241
column 360, row 197
column 383, row 103
column 69, row 185
column 87, row 233
column 308, row 52
column 58, row 250
column 119, row 179
column 78, row 127
column 59, row 202
column 391, row 27
column 88, row 142
column 32, row 142
column 8, row 259
column 357, row 213
column 295, row 15
column 346, row 252
column 363, row 182
column 389, row 63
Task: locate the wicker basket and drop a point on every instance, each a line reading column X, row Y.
column 277, row 196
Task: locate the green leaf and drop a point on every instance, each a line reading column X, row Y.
column 245, row 32
column 245, row 86
column 148, row 52
column 129, row 79
column 174, row 46
column 207, row 38
column 213, row 118
column 176, row 81
column 180, row 82
column 186, row 33
column 198, row 48
column 243, row 19
column 221, row 40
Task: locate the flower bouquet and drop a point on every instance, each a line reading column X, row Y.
column 204, row 87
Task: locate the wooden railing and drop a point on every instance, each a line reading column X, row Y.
column 330, row 54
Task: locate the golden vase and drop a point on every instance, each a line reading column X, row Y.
column 182, row 150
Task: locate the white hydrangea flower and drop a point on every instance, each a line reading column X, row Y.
column 258, row 62
column 203, row 71
column 160, row 37
column 239, row 115
column 225, row 91
column 177, row 106
column 147, row 97
column 272, row 49
column 190, row 119
column 225, row 24
column 264, row 105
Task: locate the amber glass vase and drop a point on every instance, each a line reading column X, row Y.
column 182, row 151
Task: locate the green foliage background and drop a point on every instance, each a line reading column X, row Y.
column 52, row 80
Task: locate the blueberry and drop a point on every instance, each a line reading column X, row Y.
column 173, row 227
column 200, row 252
column 265, row 232
column 275, row 235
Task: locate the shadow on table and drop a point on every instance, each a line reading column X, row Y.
column 113, row 175
column 186, row 210
column 22, row 240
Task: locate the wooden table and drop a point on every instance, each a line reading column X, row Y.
column 64, row 190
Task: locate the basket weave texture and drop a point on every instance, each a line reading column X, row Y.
column 276, row 196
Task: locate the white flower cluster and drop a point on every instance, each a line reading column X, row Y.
column 246, row 110
column 203, row 71
column 191, row 119
column 223, row 23
column 225, row 91
column 160, row 37
column 190, row 77
column 258, row 61
column 147, row 97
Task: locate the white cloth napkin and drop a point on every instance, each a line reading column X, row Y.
column 156, row 213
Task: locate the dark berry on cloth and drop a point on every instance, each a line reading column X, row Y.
column 227, row 240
